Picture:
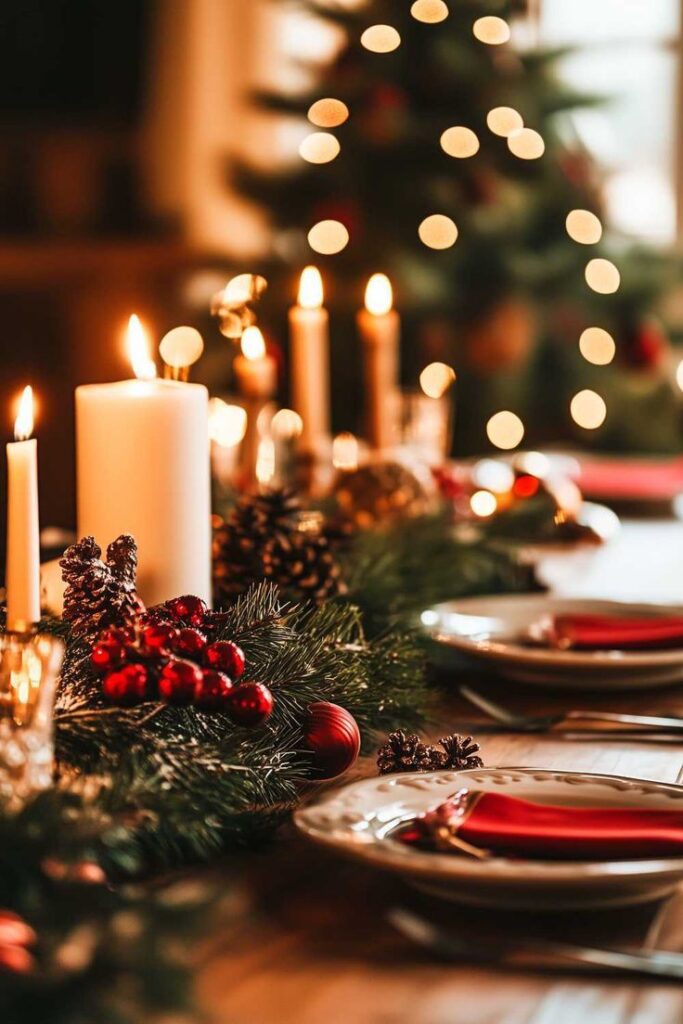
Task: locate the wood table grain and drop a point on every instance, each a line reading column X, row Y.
column 310, row 943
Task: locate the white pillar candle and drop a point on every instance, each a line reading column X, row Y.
column 143, row 469
column 23, row 532
column 379, row 326
column 310, row 355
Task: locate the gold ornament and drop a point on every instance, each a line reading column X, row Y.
column 379, row 494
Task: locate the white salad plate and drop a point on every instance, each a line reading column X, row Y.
column 358, row 820
column 492, row 630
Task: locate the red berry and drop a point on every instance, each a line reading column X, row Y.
column 107, row 655
column 159, row 637
column 225, row 656
column 250, row 704
column 126, row 686
column 178, row 681
column 188, row 609
column 189, row 642
column 117, row 634
column 214, row 690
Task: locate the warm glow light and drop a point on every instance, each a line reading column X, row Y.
column 602, row 276
column 436, row 379
column 493, row 475
column 505, row 430
column 431, row 12
column 286, row 425
column 584, row 227
column 588, row 409
column 328, row 113
column 23, row 424
column 328, row 237
column 345, row 451
column 535, row 463
column 139, row 350
column 381, row 39
column 310, row 289
column 319, row 148
column 243, row 289
column 526, row 144
column 597, row 346
column 379, row 296
column 227, row 423
column 679, row 375
column 265, row 461
column 483, row 504
column 181, row 347
column 504, row 120
column 438, row 231
column 253, row 344
column 459, row 142
column 491, row 30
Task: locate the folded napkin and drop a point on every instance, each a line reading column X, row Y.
column 505, row 825
column 613, row 631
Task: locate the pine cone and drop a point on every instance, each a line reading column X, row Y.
column 403, row 753
column 122, row 557
column 460, row 752
column 303, row 565
column 97, row 595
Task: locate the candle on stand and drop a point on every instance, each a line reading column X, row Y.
column 379, row 326
column 143, row 469
column 310, row 355
column 23, row 532
column 256, row 379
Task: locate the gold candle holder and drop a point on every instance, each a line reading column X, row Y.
column 29, row 670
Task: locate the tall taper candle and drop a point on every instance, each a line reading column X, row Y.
column 380, row 329
column 23, row 531
column 143, row 469
column 310, row 356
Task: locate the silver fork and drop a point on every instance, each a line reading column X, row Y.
column 514, row 722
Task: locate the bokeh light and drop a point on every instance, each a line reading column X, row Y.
column 436, row 379
column 319, row 148
column 505, row 429
column 584, row 227
column 286, row 424
column 597, row 346
column 438, row 231
column 504, row 120
column 491, row 30
column 227, row 423
column 328, row 237
column 602, row 276
column 588, row 409
column 526, row 144
column 328, row 113
column 459, row 142
column 493, row 475
column 431, row 12
column 483, row 504
column 381, row 39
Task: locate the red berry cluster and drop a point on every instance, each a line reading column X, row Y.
column 168, row 655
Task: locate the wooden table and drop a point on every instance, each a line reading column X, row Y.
column 311, row 944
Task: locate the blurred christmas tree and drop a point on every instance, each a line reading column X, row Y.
column 507, row 302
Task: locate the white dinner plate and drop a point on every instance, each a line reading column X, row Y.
column 491, row 630
column 357, row 820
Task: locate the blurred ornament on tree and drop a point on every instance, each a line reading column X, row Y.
column 503, row 339
column 379, row 495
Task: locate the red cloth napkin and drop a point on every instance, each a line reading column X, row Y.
column 632, row 479
column 612, row 631
column 509, row 826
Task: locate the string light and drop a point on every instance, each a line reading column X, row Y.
column 491, row 30
column 602, row 276
column 583, row 227
column 319, row 148
column 505, row 429
column 597, row 346
column 436, row 379
column 431, row 12
column 588, row 409
column 459, row 142
column 328, row 113
column 504, row 120
column 381, row 39
column 526, row 144
column 438, row 231
column 483, row 504
column 328, row 237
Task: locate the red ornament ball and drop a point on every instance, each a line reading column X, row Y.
column 250, row 704
column 159, row 636
column 178, row 682
column 225, row 656
column 333, row 737
column 188, row 608
column 213, row 692
column 127, row 686
column 107, row 655
column 117, row 634
column 189, row 642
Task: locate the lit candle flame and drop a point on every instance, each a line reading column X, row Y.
column 253, row 344
column 23, row 424
column 139, row 350
column 379, row 297
column 310, row 288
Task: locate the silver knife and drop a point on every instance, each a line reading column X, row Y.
column 529, row 952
